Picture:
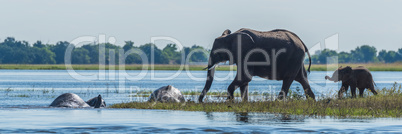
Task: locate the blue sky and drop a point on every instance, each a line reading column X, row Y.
column 376, row 23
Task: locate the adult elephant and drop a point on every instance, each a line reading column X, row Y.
column 75, row 101
column 359, row 77
column 274, row 55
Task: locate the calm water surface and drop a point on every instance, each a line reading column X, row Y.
column 25, row 95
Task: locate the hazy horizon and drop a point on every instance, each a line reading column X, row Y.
column 357, row 23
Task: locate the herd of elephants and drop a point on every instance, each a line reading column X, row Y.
column 249, row 50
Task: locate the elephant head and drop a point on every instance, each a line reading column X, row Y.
column 341, row 74
column 224, row 49
column 96, row 102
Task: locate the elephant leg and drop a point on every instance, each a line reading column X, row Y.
column 287, row 81
column 232, row 87
column 372, row 89
column 340, row 93
column 343, row 89
column 353, row 90
column 307, row 89
column 236, row 84
column 302, row 79
column 285, row 88
column 361, row 91
column 244, row 91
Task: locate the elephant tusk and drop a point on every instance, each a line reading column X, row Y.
column 209, row 68
column 212, row 67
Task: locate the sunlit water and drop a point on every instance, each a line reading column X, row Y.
column 25, row 95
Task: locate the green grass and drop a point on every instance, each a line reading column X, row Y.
column 314, row 67
column 386, row 104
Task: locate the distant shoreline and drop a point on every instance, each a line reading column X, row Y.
column 314, row 67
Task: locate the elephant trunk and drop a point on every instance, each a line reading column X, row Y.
column 210, row 79
column 331, row 78
column 98, row 102
column 208, row 83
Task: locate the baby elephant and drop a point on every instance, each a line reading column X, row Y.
column 359, row 77
column 73, row 100
column 167, row 94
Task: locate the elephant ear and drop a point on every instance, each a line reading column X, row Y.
column 226, row 32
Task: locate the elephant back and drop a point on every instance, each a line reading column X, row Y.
column 167, row 94
column 69, row 100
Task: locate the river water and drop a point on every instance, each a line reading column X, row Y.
column 26, row 94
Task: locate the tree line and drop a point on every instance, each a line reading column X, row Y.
column 361, row 54
column 21, row 52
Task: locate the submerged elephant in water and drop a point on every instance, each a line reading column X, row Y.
column 359, row 77
column 73, row 100
column 167, row 94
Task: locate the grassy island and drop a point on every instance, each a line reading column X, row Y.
column 386, row 104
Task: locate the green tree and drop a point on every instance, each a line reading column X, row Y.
column 364, row 54
column 39, row 44
column 388, row 57
column 381, row 55
column 93, row 52
column 110, row 47
column 59, row 49
column 17, row 51
column 128, row 45
column 344, row 57
column 171, row 54
column 325, row 55
column 158, row 58
column 6, row 54
column 198, row 54
column 399, row 56
column 132, row 58
column 42, row 56
column 80, row 56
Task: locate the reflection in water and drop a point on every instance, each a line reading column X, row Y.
column 242, row 118
column 68, row 120
column 209, row 115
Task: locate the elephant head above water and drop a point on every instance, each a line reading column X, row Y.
column 275, row 55
column 75, row 101
column 96, row 102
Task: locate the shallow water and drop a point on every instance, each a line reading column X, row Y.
column 25, row 95
column 49, row 120
column 41, row 87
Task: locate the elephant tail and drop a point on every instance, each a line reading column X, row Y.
column 374, row 83
column 309, row 58
column 308, row 53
